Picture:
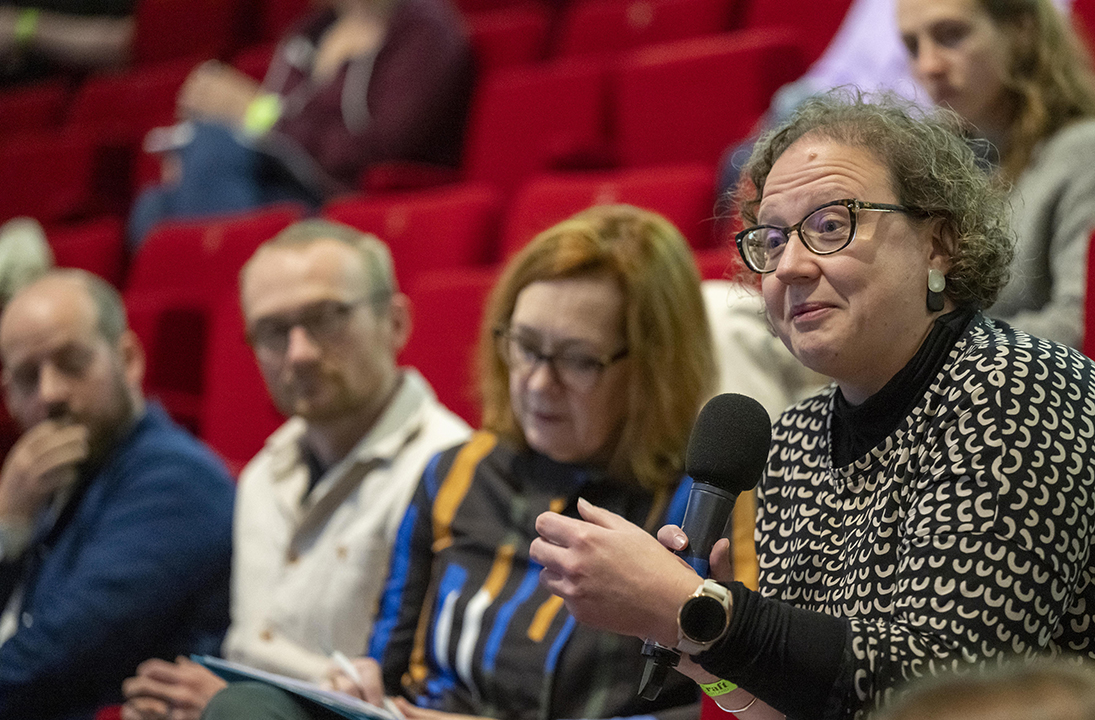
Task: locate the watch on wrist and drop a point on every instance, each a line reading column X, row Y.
column 703, row 618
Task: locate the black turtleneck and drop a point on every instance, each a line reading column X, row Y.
column 856, row 429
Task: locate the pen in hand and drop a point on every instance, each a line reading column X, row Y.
column 351, row 672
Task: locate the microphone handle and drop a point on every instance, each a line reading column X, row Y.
column 706, row 518
column 659, row 659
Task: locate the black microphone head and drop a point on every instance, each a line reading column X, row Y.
column 729, row 443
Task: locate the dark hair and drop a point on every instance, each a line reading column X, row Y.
column 932, row 169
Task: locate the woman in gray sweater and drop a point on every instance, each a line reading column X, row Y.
column 1017, row 73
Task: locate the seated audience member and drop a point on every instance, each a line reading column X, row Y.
column 866, row 53
column 1042, row 690
column 318, row 508
column 357, row 82
column 115, row 524
column 1021, row 79
column 930, row 510
column 44, row 37
column 594, row 359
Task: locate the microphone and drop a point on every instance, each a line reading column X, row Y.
column 726, row 454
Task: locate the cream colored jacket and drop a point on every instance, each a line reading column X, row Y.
column 306, row 577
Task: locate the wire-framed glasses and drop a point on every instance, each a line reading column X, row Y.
column 576, row 369
column 824, row 231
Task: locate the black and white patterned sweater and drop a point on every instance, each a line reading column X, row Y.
column 963, row 538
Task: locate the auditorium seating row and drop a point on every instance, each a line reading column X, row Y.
column 447, row 243
column 538, row 133
column 182, row 290
column 674, row 102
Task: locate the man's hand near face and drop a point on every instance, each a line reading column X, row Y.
column 43, row 461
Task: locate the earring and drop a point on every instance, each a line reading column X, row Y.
column 937, row 283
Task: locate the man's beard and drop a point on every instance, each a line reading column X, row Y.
column 106, row 430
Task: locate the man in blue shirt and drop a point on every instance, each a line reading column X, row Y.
column 115, row 524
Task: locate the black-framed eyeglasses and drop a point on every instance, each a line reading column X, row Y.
column 324, row 321
column 824, row 231
column 575, row 369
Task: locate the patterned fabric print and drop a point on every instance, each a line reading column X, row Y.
column 964, row 537
column 464, row 624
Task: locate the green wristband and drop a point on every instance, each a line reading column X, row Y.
column 262, row 114
column 26, row 25
column 719, row 687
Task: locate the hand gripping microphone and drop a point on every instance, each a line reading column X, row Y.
column 726, row 454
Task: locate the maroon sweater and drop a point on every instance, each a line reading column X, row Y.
column 409, row 101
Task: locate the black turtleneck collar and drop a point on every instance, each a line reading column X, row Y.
column 856, row 429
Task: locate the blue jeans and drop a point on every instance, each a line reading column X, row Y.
column 219, row 175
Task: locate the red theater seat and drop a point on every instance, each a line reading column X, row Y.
column 205, row 254
column 172, row 29
column 687, row 101
column 35, row 107
column 447, row 306
column 531, row 119
column 508, row 37
column 176, row 277
column 593, row 27
column 126, row 106
column 817, row 20
column 254, row 60
column 683, row 194
column 47, row 176
column 97, row 246
column 454, row 226
column 277, row 16
column 237, row 414
column 117, row 111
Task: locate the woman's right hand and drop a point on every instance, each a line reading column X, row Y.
column 371, row 688
column 217, row 92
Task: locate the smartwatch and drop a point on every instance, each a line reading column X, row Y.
column 703, row 618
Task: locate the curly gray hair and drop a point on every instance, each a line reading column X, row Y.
column 933, row 170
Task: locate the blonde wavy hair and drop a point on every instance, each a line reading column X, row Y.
column 1050, row 76
column 672, row 366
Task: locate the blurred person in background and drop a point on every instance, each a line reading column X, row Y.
column 1021, row 79
column 115, row 523
column 1045, row 690
column 25, row 256
column 39, row 38
column 594, row 360
column 356, row 82
column 318, row 508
